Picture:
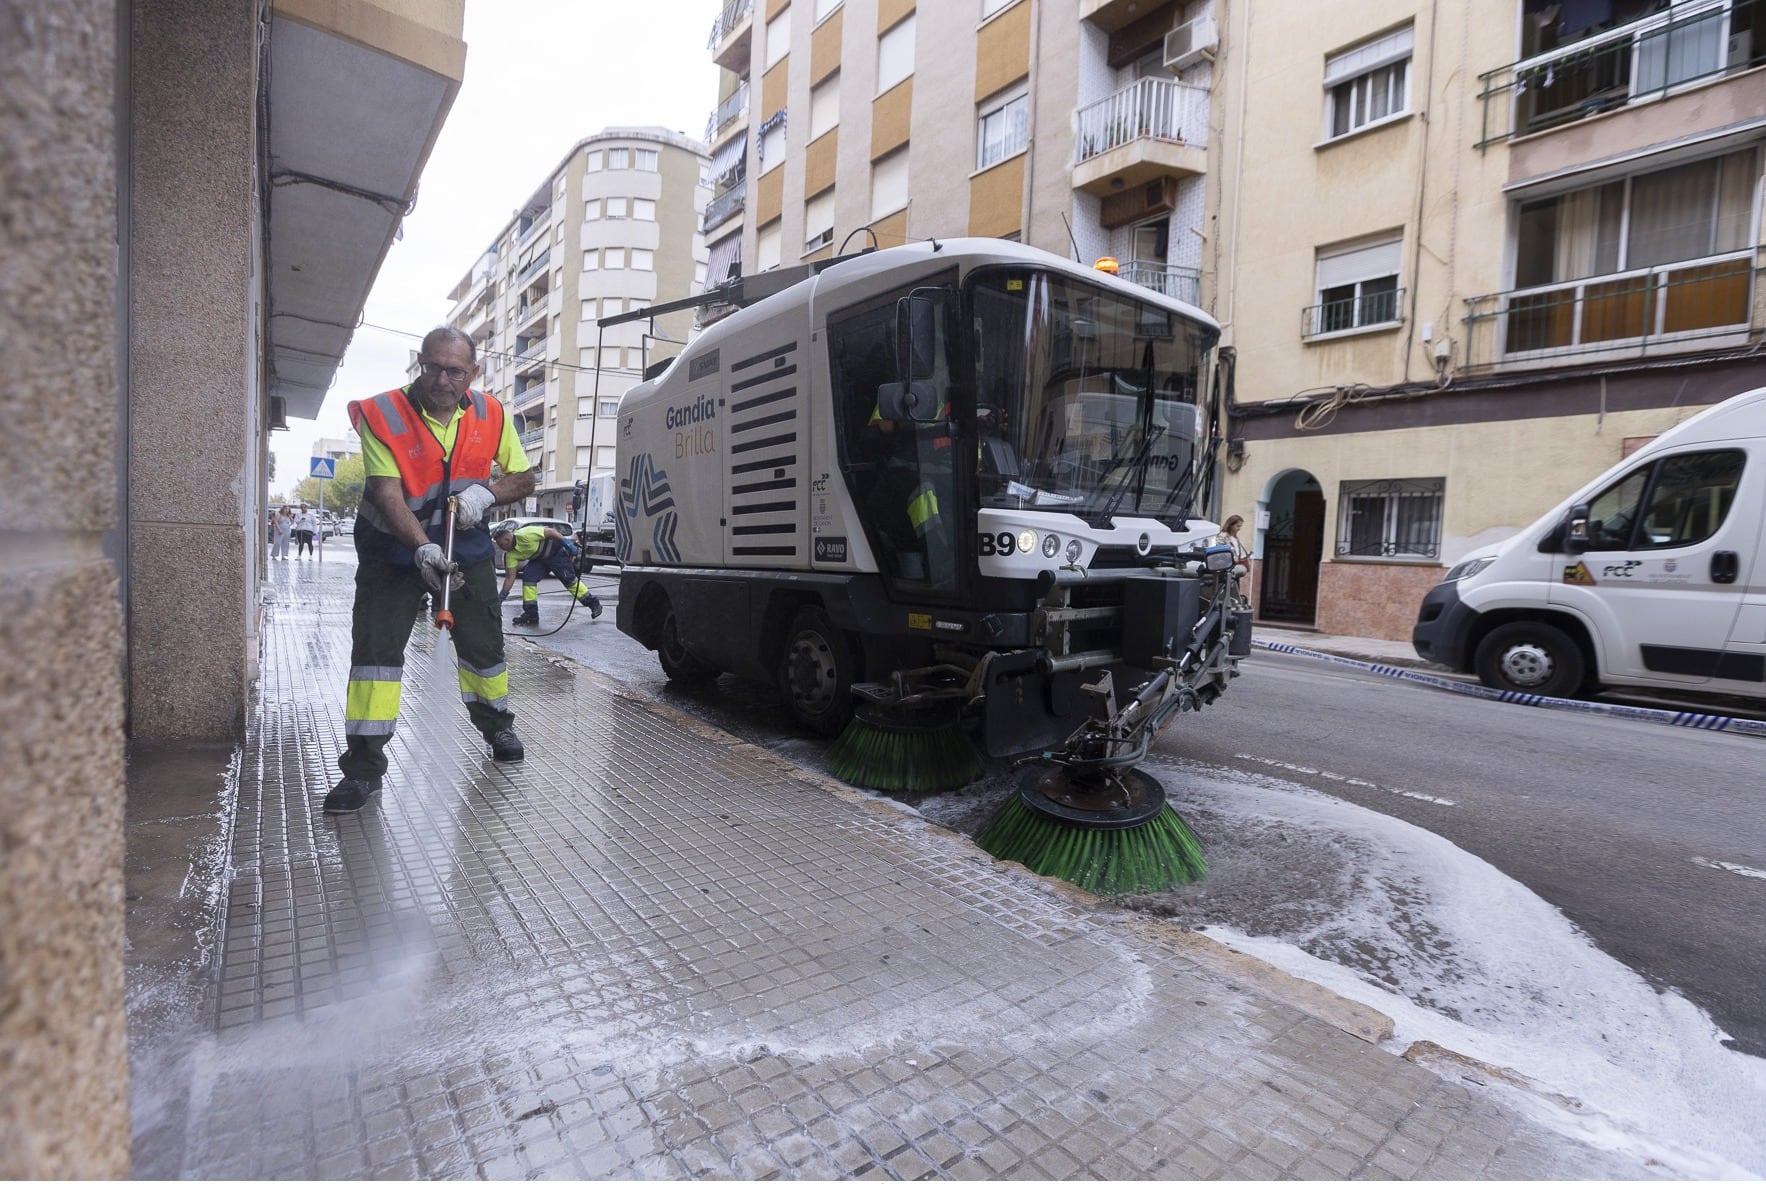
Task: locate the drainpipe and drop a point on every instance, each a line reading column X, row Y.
column 1029, row 203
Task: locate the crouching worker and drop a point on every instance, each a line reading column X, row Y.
column 421, row 444
column 534, row 552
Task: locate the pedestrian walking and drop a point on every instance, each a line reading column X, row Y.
column 534, row 552
column 305, row 527
column 420, row 444
column 281, row 530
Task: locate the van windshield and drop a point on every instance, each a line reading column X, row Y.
column 1086, row 400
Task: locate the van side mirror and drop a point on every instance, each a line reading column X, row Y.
column 916, row 337
column 917, row 400
column 1576, row 530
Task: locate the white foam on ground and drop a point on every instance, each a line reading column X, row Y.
column 1531, row 990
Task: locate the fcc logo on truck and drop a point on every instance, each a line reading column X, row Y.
column 831, row 549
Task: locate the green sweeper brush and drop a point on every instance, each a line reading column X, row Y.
column 917, row 744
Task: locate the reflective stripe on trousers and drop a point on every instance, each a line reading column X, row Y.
column 371, row 704
column 488, row 686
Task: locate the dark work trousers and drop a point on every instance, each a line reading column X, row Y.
column 388, row 600
column 554, row 559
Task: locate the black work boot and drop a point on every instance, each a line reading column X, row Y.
column 351, row 794
column 589, row 602
column 505, row 746
column 525, row 617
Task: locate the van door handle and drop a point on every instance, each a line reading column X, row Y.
column 1725, row 565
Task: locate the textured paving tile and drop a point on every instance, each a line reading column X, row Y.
column 652, row 951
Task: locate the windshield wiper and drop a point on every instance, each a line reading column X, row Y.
column 1181, row 489
column 1133, row 474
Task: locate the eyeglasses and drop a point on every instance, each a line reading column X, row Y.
column 454, row 373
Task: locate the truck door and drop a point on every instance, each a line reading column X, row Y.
column 1668, row 555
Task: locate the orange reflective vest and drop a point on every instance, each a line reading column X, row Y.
column 427, row 474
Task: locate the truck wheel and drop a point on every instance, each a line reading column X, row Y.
column 815, row 673
column 682, row 668
column 1530, row 657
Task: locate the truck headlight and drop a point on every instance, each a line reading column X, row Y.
column 1051, row 545
column 1073, row 550
column 1027, row 541
column 1467, row 567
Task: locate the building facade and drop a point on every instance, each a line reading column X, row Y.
column 1078, row 126
column 1467, row 256
column 614, row 229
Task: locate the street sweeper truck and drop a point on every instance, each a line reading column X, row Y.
column 954, row 484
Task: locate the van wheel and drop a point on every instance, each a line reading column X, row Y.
column 1531, row 657
column 682, row 668
column 815, row 673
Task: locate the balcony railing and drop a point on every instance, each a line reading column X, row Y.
column 540, row 222
column 733, row 14
column 729, row 202
column 537, row 265
column 532, row 436
column 526, row 312
column 1153, row 108
column 1370, row 310
column 1642, row 60
column 1652, row 311
column 727, row 113
column 536, row 350
column 1181, row 283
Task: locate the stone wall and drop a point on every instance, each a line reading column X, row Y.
column 64, row 1072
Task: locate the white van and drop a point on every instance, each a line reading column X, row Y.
column 1649, row 576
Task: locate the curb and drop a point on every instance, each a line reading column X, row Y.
column 1651, row 715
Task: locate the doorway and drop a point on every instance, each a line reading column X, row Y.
column 1293, row 547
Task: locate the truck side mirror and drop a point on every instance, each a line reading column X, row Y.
column 916, row 337
column 1576, row 530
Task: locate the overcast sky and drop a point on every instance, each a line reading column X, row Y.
column 540, row 75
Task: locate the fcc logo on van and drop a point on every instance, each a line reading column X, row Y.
column 831, row 549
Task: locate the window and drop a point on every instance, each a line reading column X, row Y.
column 766, row 248
column 778, row 37
column 586, row 357
column 613, row 258
column 592, row 210
column 818, row 220
column 588, row 310
column 824, row 7
column 593, row 164
column 644, row 160
column 1394, row 519
column 644, row 209
column 643, row 260
column 824, row 106
column 1368, row 83
column 889, row 184
column 591, row 260
column 1357, row 287
column 609, row 406
column 989, row 7
column 619, row 158
column 772, row 142
column 1683, row 500
column 895, row 54
column 558, row 189
column 612, row 306
column 1002, row 130
column 616, row 207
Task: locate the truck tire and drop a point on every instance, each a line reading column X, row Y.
column 682, row 668
column 1532, row 658
column 815, row 673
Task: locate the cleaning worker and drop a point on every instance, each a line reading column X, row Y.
column 423, row 446
column 534, row 552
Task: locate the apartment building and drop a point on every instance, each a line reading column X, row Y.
column 1079, row 126
column 1467, row 254
column 613, row 229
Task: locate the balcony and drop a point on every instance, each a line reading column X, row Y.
column 527, row 312
column 1180, row 283
column 1675, row 308
column 531, row 359
column 724, row 206
column 730, row 35
column 542, row 222
column 533, row 437
column 1150, row 129
column 536, row 267
column 729, row 114
column 1644, row 60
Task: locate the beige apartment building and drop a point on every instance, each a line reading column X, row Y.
column 1079, row 126
column 1468, row 254
column 613, row 229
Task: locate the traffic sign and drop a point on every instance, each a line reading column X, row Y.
column 324, row 468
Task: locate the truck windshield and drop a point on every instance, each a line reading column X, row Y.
column 1086, row 400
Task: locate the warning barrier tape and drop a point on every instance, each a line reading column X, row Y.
column 1652, row 715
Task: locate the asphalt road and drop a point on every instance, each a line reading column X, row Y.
column 1650, row 838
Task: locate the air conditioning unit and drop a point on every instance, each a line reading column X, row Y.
column 1158, row 196
column 1191, row 42
column 278, row 414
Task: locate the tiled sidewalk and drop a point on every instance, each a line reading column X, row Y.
column 654, row 951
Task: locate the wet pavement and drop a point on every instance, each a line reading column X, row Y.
column 653, row 950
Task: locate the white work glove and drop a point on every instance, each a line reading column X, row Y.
column 470, row 505
column 435, row 569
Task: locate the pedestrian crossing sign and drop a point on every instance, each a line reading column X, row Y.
column 324, row 468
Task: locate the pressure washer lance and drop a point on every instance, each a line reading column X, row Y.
column 444, row 617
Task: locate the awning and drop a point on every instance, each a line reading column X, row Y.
column 725, row 258
column 730, row 157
